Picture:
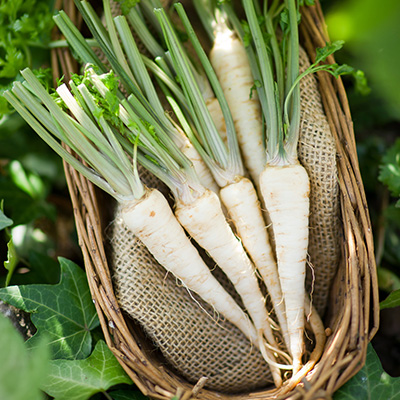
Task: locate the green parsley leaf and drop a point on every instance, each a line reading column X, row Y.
column 323, row 53
column 361, row 83
column 126, row 5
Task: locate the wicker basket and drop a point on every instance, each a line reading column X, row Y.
column 353, row 312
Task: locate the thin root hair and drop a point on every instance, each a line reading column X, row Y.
column 312, row 269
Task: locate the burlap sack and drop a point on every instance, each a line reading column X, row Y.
column 317, row 153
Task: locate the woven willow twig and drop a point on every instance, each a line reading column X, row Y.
column 354, row 292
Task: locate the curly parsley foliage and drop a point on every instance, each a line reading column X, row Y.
column 24, row 25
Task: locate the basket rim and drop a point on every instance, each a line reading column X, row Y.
column 345, row 351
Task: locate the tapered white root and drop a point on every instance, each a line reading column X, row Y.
column 229, row 59
column 205, row 222
column 285, row 190
column 318, row 329
column 153, row 222
column 241, row 200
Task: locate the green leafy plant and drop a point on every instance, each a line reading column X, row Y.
column 4, row 220
column 64, row 312
column 22, row 370
column 80, row 379
column 372, row 382
column 60, row 359
column 25, row 27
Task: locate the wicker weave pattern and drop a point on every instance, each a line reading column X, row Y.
column 353, row 294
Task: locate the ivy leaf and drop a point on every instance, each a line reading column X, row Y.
column 12, row 257
column 393, row 300
column 388, row 280
column 372, row 382
column 21, row 371
column 19, row 204
column 42, row 269
column 81, row 379
column 392, row 237
column 64, row 312
column 390, row 169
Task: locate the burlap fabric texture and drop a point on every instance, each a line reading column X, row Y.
column 317, row 153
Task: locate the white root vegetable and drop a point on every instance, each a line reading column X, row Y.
column 229, row 60
column 318, row 330
column 153, row 222
column 202, row 217
column 286, row 194
column 241, row 201
column 205, row 222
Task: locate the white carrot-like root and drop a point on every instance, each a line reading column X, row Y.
column 229, row 60
column 318, row 330
column 153, row 222
column 205, row 222
column 286, row 194
column 240, row 199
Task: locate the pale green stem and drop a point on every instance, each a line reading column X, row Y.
column 76, row 41
column 46, row 137
column 144, row 34
column 235, row 162
column 292, row 106
column 116, row 47
column 192, row 91
column 271, row 113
